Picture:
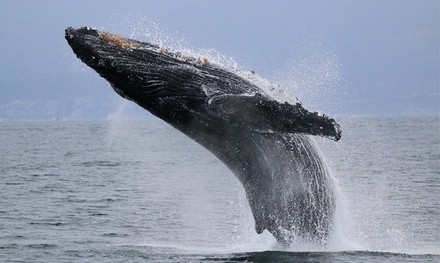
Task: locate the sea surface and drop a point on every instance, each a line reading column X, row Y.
column 140, row 191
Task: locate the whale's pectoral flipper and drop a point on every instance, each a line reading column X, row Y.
column 261, row 114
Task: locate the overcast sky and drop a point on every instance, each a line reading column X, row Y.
column 338, row 57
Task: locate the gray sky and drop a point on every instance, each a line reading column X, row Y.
column 339, row 57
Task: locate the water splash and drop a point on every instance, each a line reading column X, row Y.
column 314, row 77
column 143, row 28
column 147, row 29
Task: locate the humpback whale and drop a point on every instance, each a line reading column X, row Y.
column 262, row 139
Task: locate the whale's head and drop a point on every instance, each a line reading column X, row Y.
column 184, row 90
column 138, row 71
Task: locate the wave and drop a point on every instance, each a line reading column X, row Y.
column 170, row 253
column 342, row 256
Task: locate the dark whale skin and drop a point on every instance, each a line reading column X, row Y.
column 263, row 141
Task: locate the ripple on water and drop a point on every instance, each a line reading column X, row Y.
column 100, row 163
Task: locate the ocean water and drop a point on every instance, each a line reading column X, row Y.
column 120, row 191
